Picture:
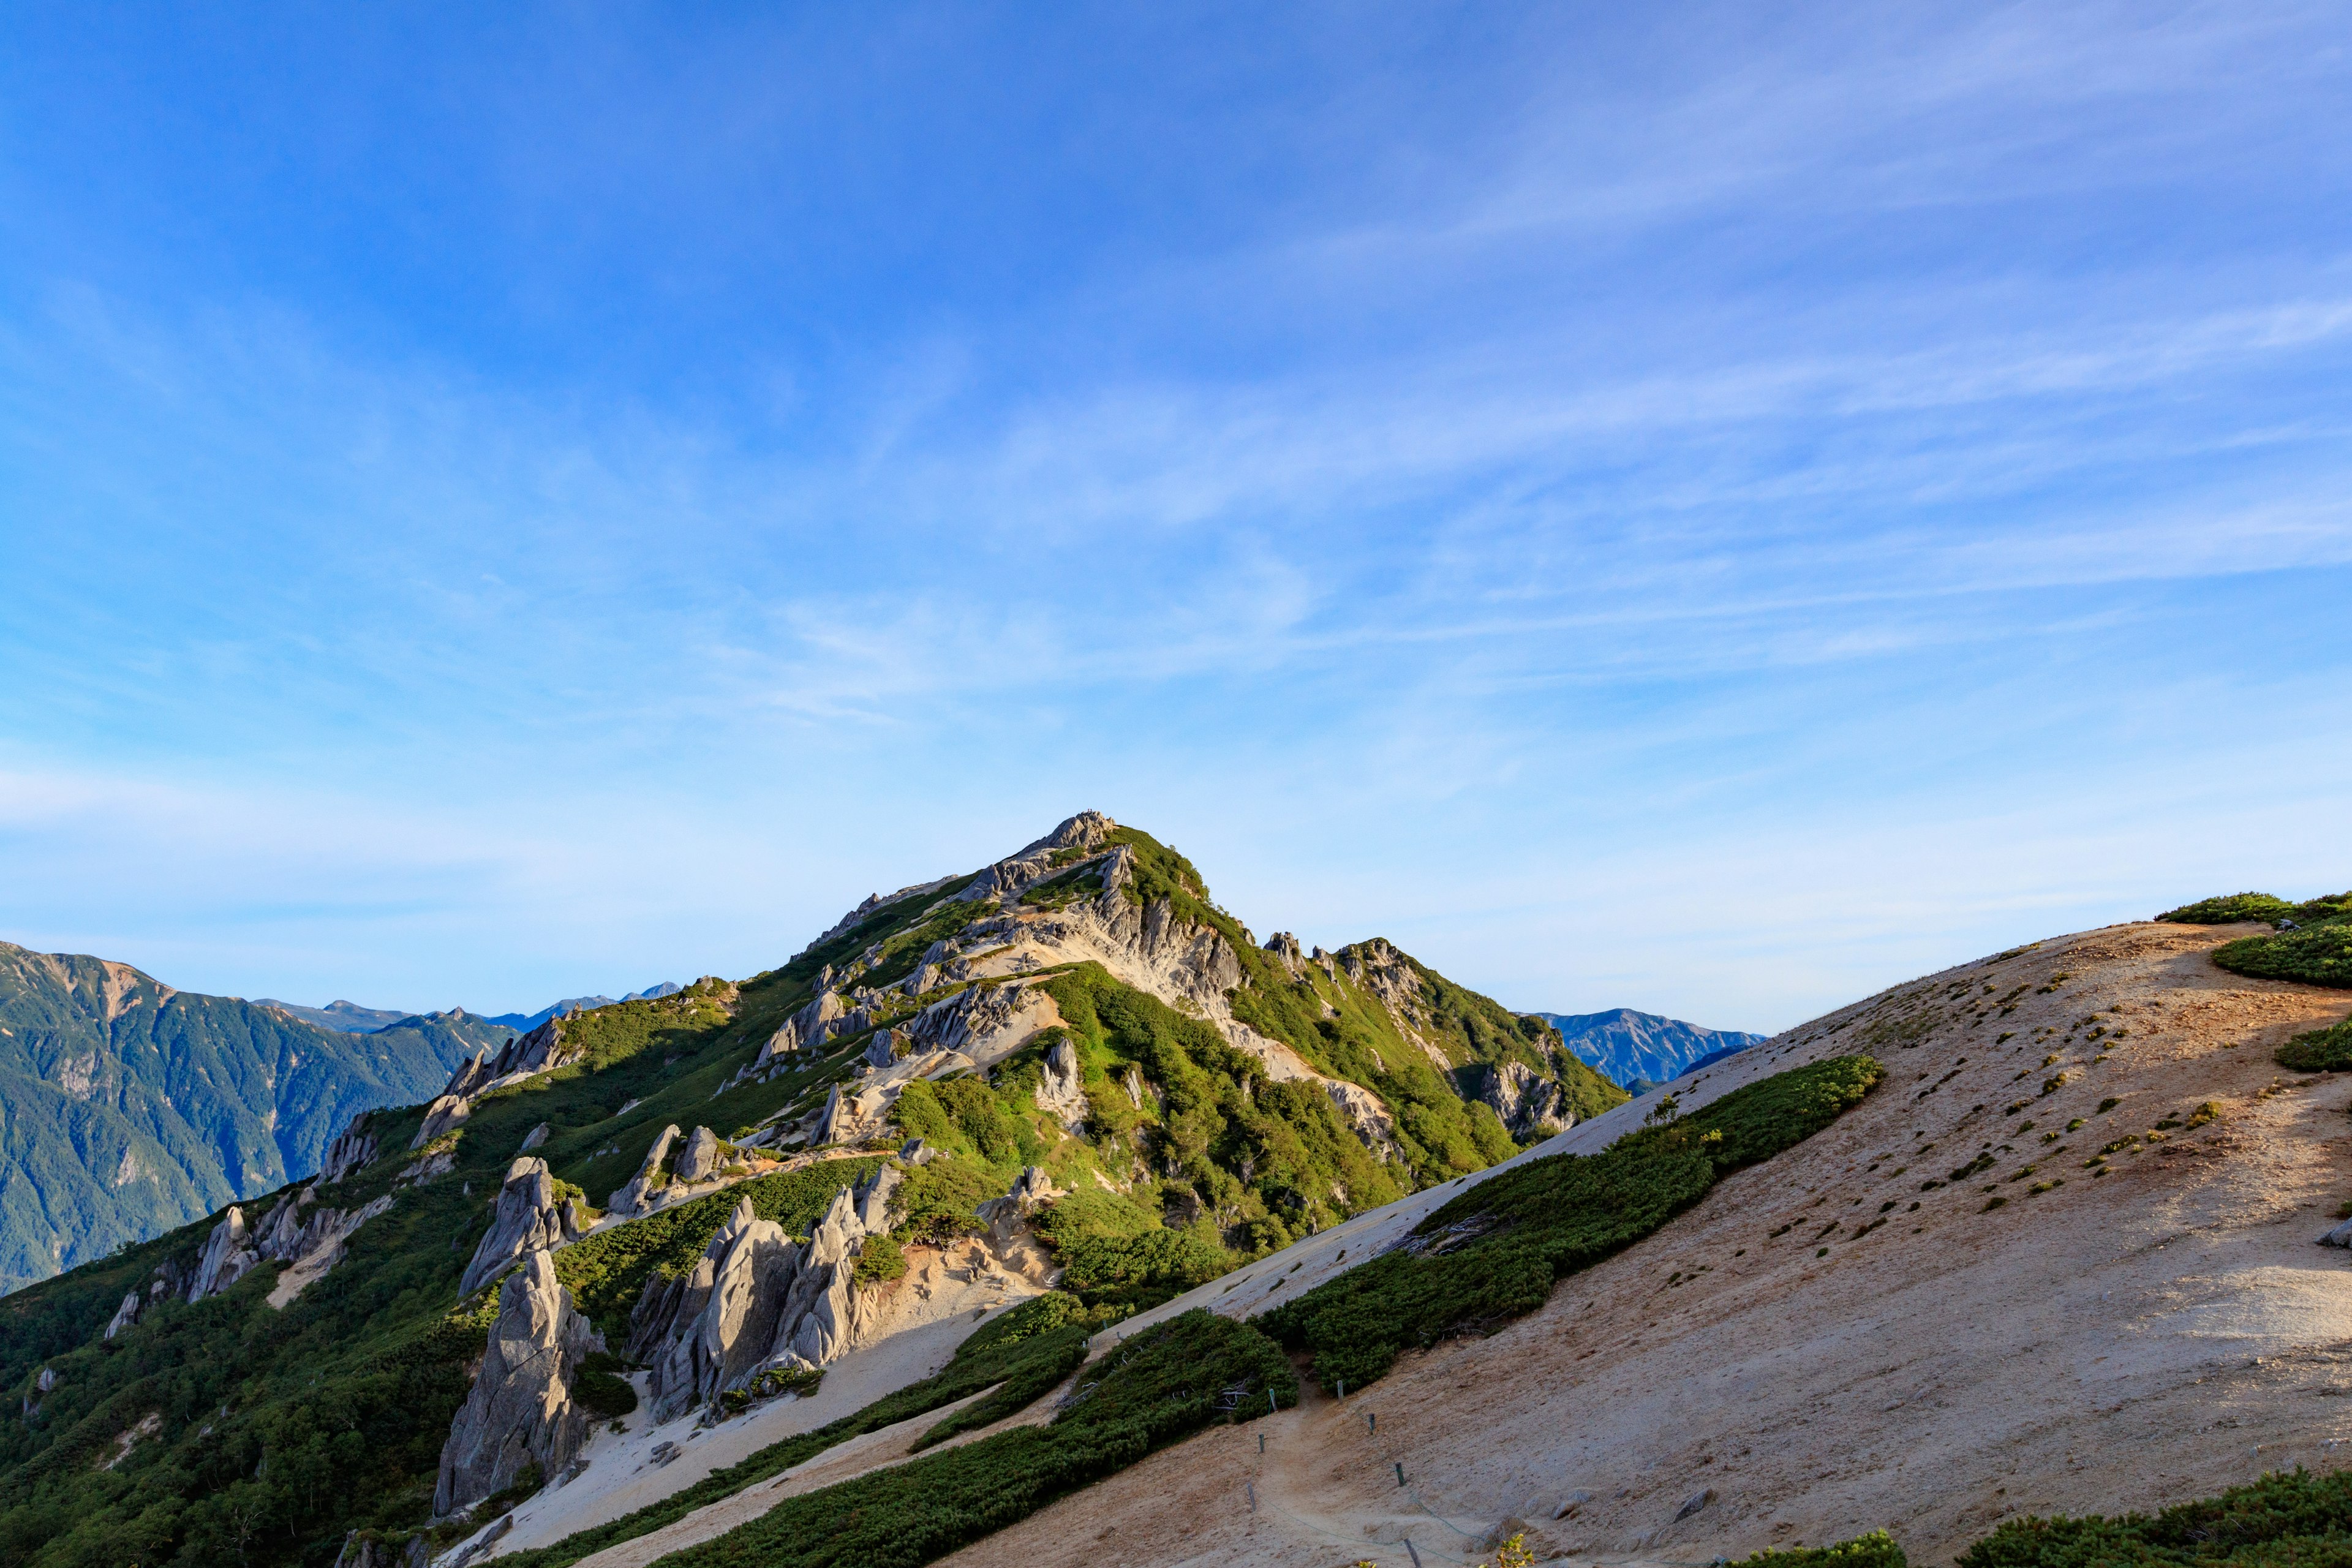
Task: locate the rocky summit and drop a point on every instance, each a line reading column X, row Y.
column 974, row 1230
column 1066, row 1078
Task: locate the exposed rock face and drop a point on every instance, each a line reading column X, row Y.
column 1061, row 1090
column 284, row 1236
column 520, row 1409
column 1528, row 1102
column 632, row 1199
column 979, row 1017
column 228, row 1257
column 817, row 1322
column 753, row 1300
column 440, row 1116
column 126, row 1314
column 883, row 1048
column 528, row 1219
column 1366, row 1114
column 701, row 1156
column 742, row 1281
column 354, row 1146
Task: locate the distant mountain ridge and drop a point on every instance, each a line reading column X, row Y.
column 350, row 1018
column 571, row 1005
column 1638, row 1052
column 128, row 1107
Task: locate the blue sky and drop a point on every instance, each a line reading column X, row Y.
column 1702, row 510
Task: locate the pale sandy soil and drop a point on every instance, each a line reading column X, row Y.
column 2117, row 1343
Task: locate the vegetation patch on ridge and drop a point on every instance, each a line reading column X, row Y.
column 2319, row 1050
column 1493, row 1253
column 2285, row 1518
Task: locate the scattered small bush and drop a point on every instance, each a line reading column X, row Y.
column 1876, row 1550
column 2315, row 954
column 2284, row 1518
column 2231, row 909
column 600, row 1388
column 2320, row 1050
column 879, row 1261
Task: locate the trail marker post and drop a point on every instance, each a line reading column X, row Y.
column 1400, row 1470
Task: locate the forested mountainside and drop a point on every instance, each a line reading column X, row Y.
column 1631, row 1049
column 1071, row 1066
column 128, row 1108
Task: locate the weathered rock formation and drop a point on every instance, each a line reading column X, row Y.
column 539, row 1051
column 354, row 1146
column 446, row 1112
column 228, row 1257
column 755, row 1300
column 634, row 1198
column 126, row 1314
column 733, row 1294
column 284, row 1236
column 1032, row 1191
column 366, row 1549
column 700, row 1156
column 1062, row 1090
column 520, row 1410
column 529, row 1218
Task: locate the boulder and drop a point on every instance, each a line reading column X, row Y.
column 915, row 1151
column 633, row 1198
column 529, row 1218
column 440, row 1116
column 520, row 1409
column 701, row 1156
column 882, row 1050
column 535, row 1137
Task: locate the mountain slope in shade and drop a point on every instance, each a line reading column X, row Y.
column 1626, row 1046
column 128, row 1108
